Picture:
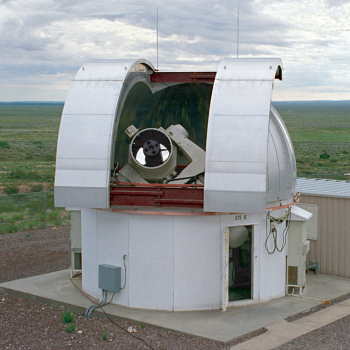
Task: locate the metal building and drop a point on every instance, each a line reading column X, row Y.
column 178, row 177
column 329, row 233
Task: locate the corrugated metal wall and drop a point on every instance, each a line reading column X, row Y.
column 332, row 247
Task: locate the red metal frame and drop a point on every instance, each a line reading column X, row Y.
column 183, row 77
column 192, row 77
column 157, row 195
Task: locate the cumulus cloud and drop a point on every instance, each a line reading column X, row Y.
column 42, row 40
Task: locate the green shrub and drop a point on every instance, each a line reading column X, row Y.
column 104, row 334
column 11, row 189
column 18, row 217
column 70, row 328
column 50, row 158
column 4, row 144
column 8, row 228
column 324, row 156
column 67, row 316
column 58, row 222
column 36, row 188
column 16, row 174
column 20, row 174
column 52, row 216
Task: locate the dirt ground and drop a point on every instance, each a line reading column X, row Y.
column 29, row 325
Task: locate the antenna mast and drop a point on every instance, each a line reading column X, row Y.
column 157, row 37
column 238, row 31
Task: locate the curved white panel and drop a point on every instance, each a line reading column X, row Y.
column 88, row 127
column 237, row 137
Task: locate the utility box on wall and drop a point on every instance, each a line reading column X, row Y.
column 109, row 277
column 298, row 245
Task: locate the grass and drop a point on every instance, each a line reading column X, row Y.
column 28, row 134
column 104, row 335
column 26, row 212
column 70, row 328
column 67, row 316
column 320, row 132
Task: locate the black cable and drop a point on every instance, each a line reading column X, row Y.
column 125, row 329
column 274, row 232
column 195, row 177
column 124, row 256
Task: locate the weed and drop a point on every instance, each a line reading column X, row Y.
column 104, row 334
column 11, row 189
column 53, row 216
column 67, row 316
column 142, row 325
column 28, row 235
column 37, row 143
column 4, row 144
column 36, row 188
column 58, row 222
column 70, row 328
column 28, row 304
column 18, row 217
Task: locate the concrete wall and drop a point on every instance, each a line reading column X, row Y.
column 332, row 247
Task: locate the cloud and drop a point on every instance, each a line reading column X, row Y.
column 47, row 38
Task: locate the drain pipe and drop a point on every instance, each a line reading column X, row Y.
column 101, row 303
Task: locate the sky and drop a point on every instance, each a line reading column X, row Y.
column 43, row 43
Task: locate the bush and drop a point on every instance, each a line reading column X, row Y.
column 20, row 174
column 70, row 328
column 52, row 216
column 324, row 156
column 67, row 316
column 104, row 334
column 8, row 228
column 11, row 189
column 4, row 144
column 36, row 188
column 58, row 222
column 18, row 217
column 16, row 173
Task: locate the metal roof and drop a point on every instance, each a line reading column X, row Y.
column 323, row 187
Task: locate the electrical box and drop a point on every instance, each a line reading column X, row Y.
column 298, row 246
column 109, row 277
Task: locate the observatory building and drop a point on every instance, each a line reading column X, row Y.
column 181, row 185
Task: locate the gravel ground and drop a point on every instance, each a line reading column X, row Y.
column 335, row 336
column 29, row 325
